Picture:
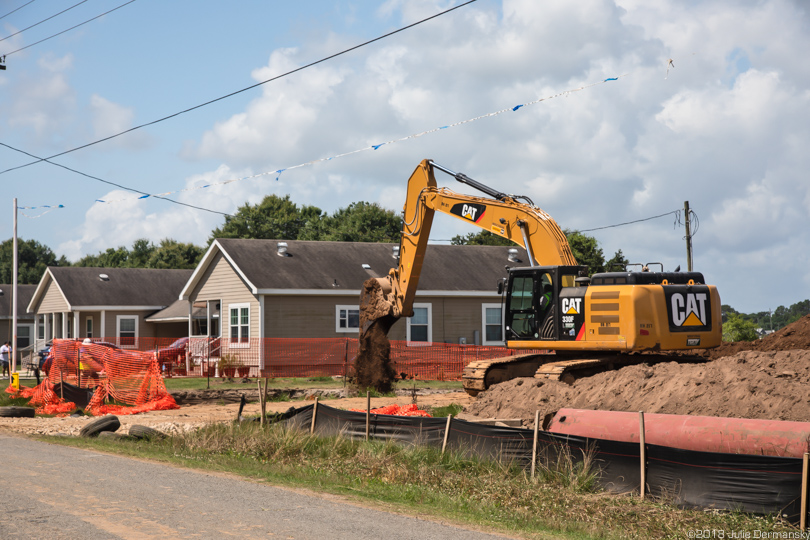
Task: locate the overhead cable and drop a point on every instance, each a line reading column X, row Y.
column 243, row 89
column 142, row 193
column 43, row 20
column 68, row 30
column 13, row 10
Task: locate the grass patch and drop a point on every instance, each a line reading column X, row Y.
column 447, row 410
column 562, row 502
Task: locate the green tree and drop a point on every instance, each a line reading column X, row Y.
column 273, row 218
column 736, row 328
column 111, row 258
column 481, row 238
column 32, row 260
column 174, row 254
column 586, row 251
column 358, row 222
column 617, row 263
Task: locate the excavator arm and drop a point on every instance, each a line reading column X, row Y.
column 502, row 214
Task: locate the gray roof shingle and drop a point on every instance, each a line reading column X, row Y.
column 82, row 286
column 24, row 295
column 327, row 265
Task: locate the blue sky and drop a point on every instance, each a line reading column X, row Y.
column 727, row 128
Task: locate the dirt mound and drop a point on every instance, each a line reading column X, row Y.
column 751, row 384
column 794, row 336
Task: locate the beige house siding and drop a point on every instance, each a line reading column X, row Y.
column 292, row 316
column 221, row 283
column 145, row 329
column 52, row 301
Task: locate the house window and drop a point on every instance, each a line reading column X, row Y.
column 240, row 324
column 492, row 323
column 24, row 335
column 347, row 319
column 88, row 327
column 126, row 330
column 419, row 328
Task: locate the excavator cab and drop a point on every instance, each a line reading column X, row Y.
column 534, row 298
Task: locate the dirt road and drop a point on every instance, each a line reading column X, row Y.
column 63, row 493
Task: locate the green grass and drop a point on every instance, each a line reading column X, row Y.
column 561, row 503
column 447, row 410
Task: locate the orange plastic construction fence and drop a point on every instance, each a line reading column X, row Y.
column 293, row 357
column 122, row 381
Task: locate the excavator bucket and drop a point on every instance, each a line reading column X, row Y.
column 372, row 366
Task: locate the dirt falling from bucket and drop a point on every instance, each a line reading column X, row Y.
column 372, row 366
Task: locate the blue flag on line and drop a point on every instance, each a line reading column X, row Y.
column 516, row 107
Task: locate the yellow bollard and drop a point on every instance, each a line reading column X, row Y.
column 15, row 381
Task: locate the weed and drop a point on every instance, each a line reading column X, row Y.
column 447, row 410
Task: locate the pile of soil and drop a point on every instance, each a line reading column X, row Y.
column 372, row 366
column 765, row 379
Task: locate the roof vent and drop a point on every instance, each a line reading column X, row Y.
column 104, row 277
column 366, row 266
column 282, row 250
column 513, row 255
column 395, row 254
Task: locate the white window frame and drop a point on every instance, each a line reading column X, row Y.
column 347, row 330
column 118, row 319
column 237, row 344
column 429, row 327
column 88, row 327
column 484, row 308
column 31, row 337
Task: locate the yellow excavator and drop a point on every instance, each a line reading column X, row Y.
column 591, row 323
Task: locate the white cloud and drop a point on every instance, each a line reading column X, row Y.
column 727, row 129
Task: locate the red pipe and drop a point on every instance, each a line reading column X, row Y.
column 702, row 433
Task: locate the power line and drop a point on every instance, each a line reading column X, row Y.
column 43, row 20
column 676, row 212
column 13, row 10
column 113, row 183
column 69, row 29
column 243, row 89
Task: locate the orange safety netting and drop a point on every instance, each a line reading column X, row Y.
column 398, row 410
column 131, row 380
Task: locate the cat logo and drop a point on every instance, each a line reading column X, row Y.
column 572, row 306
column 689, row 309
column 472, row 212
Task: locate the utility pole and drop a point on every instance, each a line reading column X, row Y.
column 688, row 237
column 14, row 299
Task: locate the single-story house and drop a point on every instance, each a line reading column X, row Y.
column 25, row 321
column 108, row 303
column 252, row 289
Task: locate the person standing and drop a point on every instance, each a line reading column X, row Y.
column 5, row 351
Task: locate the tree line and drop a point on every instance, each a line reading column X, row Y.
column 274, row 218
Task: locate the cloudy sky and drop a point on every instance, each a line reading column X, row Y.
column 725, row 126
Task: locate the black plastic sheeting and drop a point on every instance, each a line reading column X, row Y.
column 78, row 395
column 748, row 483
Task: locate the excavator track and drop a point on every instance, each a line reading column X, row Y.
column 479, row 376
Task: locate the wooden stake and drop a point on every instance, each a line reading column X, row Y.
column 368, row 413
column 264, row 396
column 261, row 402
column 314, row 416
column 534, row 445
column 803, row 518
column 446, row 432
column 642, row 453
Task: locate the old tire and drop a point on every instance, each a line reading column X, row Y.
column 114, row 436
column 16, row 412
column 105, row 423
column 144, row 432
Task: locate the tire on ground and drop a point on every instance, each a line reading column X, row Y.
column 105, row 423
column 113, row 435
column 16, row 412
column 144, row 432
